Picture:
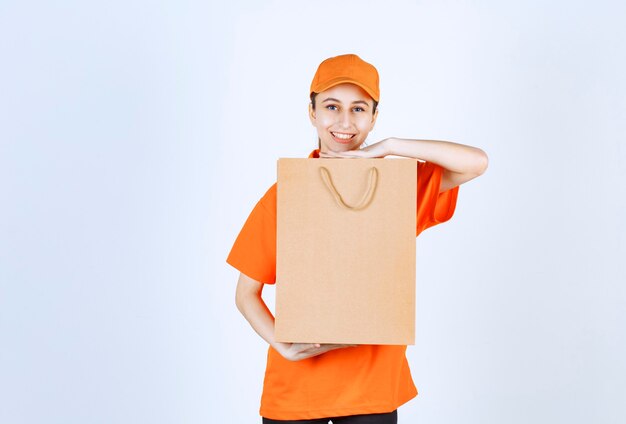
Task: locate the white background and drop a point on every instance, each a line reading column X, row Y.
column 136, row 136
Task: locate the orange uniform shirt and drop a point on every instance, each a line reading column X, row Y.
column 366, row 379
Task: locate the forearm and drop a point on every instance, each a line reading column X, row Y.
column 258, row 315
column 454, row 157
column 253, row 308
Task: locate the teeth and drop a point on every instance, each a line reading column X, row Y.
column 343, row 136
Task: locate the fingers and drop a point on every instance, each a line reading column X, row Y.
column 328, row 347
column 299, row 351
column 351, row 154
column 335, row 345
column 329, row 155
column 301, row 347
column 339, row 157
column 319, row 348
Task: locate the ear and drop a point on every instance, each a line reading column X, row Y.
column 374, row 119
column 312, row 114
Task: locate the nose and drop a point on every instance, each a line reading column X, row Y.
column 345, row 119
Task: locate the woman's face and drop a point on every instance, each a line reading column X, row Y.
column 343, row 117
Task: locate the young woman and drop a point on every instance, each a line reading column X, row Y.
column 312, row 382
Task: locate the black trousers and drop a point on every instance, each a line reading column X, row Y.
column 387, row 418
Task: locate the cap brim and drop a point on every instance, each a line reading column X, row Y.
column 341, row 80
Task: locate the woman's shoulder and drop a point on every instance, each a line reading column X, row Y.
column 269, row 198
column 268, row 201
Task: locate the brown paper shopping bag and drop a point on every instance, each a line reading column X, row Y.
column 345, row 270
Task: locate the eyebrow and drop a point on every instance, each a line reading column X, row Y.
column 332, row 99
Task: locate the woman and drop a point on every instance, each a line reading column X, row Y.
column 312, row 382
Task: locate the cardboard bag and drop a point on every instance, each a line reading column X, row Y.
column 345, row 270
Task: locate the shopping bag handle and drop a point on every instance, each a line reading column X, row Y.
column 367, row 197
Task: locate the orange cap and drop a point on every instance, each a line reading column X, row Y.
column 346, row 68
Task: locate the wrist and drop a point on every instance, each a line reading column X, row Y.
column 389, row 146
column 279, row 347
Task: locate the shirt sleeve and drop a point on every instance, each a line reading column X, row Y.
column 254, row 251
column 433, row 207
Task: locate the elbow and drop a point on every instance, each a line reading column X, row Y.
column 244, row 297
column 240, row 301
column 247, row 291
column 481, row 162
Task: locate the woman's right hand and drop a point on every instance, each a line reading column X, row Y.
column 299, row 351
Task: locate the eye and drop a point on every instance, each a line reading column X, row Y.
column 330, row 106
column 359, row 109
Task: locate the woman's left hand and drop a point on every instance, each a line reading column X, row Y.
column 376, row 150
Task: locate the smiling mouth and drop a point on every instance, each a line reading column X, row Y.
column 342, row 137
